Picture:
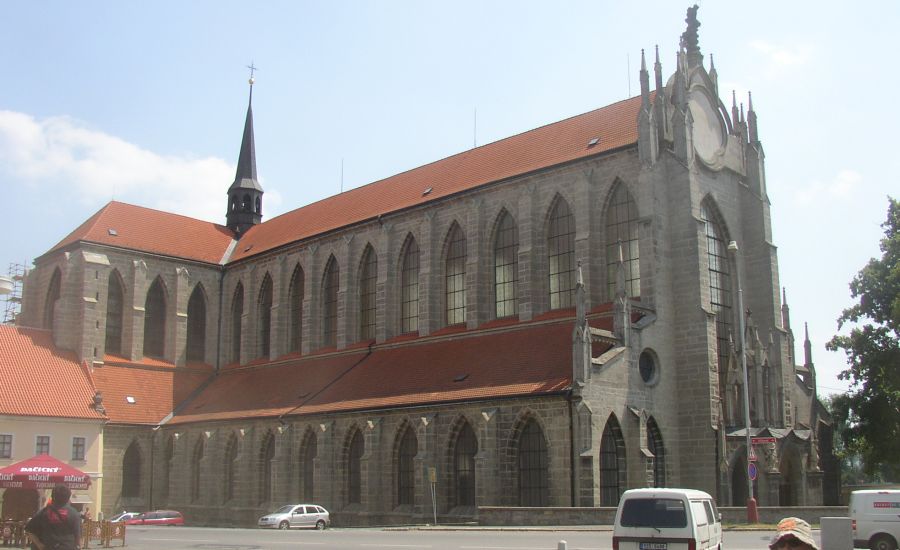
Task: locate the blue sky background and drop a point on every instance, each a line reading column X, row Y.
column 144, row 102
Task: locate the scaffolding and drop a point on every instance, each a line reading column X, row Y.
column 12, row 299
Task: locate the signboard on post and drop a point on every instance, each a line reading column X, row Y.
column 752, row 471
column 752, row 455
column 762, row 440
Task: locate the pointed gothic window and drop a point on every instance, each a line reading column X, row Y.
column 533, row 468
column 296, row 300
column 330, row 285
column 719, row 281
column 237, row 313
column 612, row 463
column 230, row 467
column 561, row 256
column 155, row 320
column 115, row 301
column 53, row 292
column 199, row 449
column 264, row 317
column 354, row 468
column 506, row 267
column 455, row 276
column 464, row 466
column 266, row 460
column 131, row 471
column 308, row 452
column 196, row 325
column 406, row 472
column 367, row 289
column 409, row 288
column 656, row 447
column 622, row 231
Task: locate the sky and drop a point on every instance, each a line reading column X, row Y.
column 144, row 102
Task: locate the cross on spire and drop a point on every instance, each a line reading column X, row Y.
column 253, row 69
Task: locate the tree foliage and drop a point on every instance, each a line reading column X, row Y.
column 871, row 410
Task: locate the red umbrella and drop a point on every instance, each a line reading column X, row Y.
column 42, row 472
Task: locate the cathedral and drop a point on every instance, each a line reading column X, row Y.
column 543, row 321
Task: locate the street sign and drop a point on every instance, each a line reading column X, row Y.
column 762, row 440
column 752, row 454
column 751, row 471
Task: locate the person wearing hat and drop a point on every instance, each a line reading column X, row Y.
column 793, row 533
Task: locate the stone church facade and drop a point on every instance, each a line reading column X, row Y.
column 547, row 320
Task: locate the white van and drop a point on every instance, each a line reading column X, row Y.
column 875, row 519
column 667, row 519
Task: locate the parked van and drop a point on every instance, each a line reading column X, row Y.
column 667, row 519
column 875, row 519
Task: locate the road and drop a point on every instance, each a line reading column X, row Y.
column 577, row 538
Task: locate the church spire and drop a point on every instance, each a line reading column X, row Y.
column 245, row 194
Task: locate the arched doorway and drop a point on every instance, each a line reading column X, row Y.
column 790, row 490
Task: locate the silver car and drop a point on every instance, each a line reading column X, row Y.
column 307, row 516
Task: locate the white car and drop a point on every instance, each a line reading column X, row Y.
column 308, row 516
column 667, row 519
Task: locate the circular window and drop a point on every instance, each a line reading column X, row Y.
column 647, row 367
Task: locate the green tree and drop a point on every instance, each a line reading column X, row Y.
column 871, row 410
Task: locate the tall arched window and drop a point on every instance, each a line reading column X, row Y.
column 506, row 267
column 264, row 317
column 622, row 231
column 296, row 301
column 196, row 459
column 230, row 467
column 719, row 280
column 308, row 452
column 131, row 471
column 368, row 276
column 464, row 466
column 612, row 463
column 561, row 256
column 237, row 314
column 406, row 472
column 533, row 468
column 155, row 320
column 330, row 284
column 409, row 287
column 115, row 301
column 266, row 459
column 354, row 468
column 196, row 325
column 656, row 447
column 167, row 466
column 53, row 292
column 455, row 276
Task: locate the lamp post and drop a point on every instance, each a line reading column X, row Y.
column 752, row 512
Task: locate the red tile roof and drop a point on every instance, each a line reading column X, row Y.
column 523, row 360
column 615, row 125
column 156, row 390
column 39, row 379
column 168, row 234
column 148, row 230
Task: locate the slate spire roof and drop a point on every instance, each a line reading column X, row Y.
column 245, row 176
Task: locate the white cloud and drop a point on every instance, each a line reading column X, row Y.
column 782, row 57
column 57, row 154
column 844, row 184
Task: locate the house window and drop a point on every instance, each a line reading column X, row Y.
column 719, row 282
column 561, row 256
column 195, row 469
column 196, row 326
column 658, row 450
column 42, row 445
column 114, row 304
column 131, row 471
column 264, row 317
column 296, row 301
column 464, row 466
column 237, row 312
column 266, row 458
column 5, row 445
column 455, row 274
column 409, row 288
column 77, row 448
column 506, row 267
column 612, row 463
column 367, row 289
column 308, row 467
column 230, row 478
column 354, row 469
column 53, row 293
column 622, row 231
column 406, row 480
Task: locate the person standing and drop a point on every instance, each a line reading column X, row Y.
column 57, row 526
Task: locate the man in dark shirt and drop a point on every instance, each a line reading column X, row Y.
column 57, row 526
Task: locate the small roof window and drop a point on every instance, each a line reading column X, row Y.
column 427, row 191
column 593, row 141
column 113, row 232
column 130, row 399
